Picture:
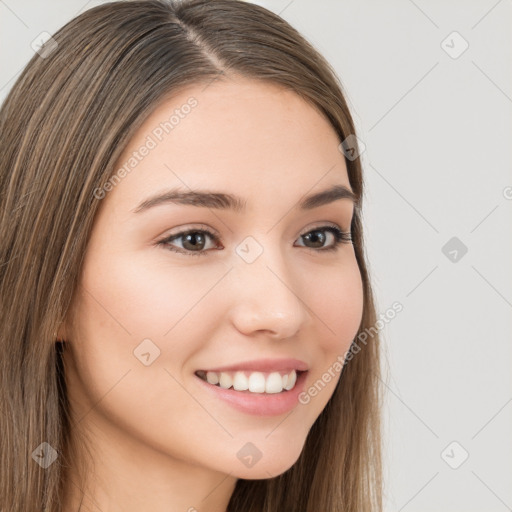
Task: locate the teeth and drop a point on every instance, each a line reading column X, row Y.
column 212, row 378
column 240, row 382
column 255, row 382
column 274, row 383
column 225, row 381
column 292, row 379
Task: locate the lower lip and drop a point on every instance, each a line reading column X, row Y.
column 259, row 404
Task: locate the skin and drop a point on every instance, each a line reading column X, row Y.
column 158, row 440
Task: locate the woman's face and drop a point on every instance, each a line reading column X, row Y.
column 248, row 286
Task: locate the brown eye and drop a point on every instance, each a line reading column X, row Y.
column 317, row 238
column 193, row 241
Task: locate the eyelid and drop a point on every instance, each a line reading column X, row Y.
column 322, row 224
column 192, row 227
column 200, row 227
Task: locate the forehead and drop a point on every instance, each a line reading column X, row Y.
column 242, row 135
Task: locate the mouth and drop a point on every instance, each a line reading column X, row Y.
column 252, row 381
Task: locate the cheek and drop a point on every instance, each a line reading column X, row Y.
column 125, row 303
column 336, row 302
column 143, row 297
column 337, row 308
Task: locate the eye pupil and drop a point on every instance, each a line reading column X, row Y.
column 317, row 237
column 192, row 238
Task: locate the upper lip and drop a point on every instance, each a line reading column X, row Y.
column 263, row 365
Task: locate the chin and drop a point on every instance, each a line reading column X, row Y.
column 268, row 467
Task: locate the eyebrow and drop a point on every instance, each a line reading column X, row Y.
column 224, row 201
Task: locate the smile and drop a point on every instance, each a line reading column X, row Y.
column 252, row 382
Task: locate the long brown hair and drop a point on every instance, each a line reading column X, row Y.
column 63, row 126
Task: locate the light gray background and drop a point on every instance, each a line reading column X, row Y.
column 437, row 131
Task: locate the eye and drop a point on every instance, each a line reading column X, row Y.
column 194, row 241
column 317, row 237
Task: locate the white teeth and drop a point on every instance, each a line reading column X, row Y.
column 240, row 382
column 255, row 382
column 274, row 383
column 225, row 381
column 292, row 379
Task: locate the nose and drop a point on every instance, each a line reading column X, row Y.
column 267, row 297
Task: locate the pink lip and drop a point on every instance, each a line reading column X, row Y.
column 263, row 365
column 260, row 404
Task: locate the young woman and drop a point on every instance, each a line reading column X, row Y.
column 182, row 271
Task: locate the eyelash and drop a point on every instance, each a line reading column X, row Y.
column 340, row 237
